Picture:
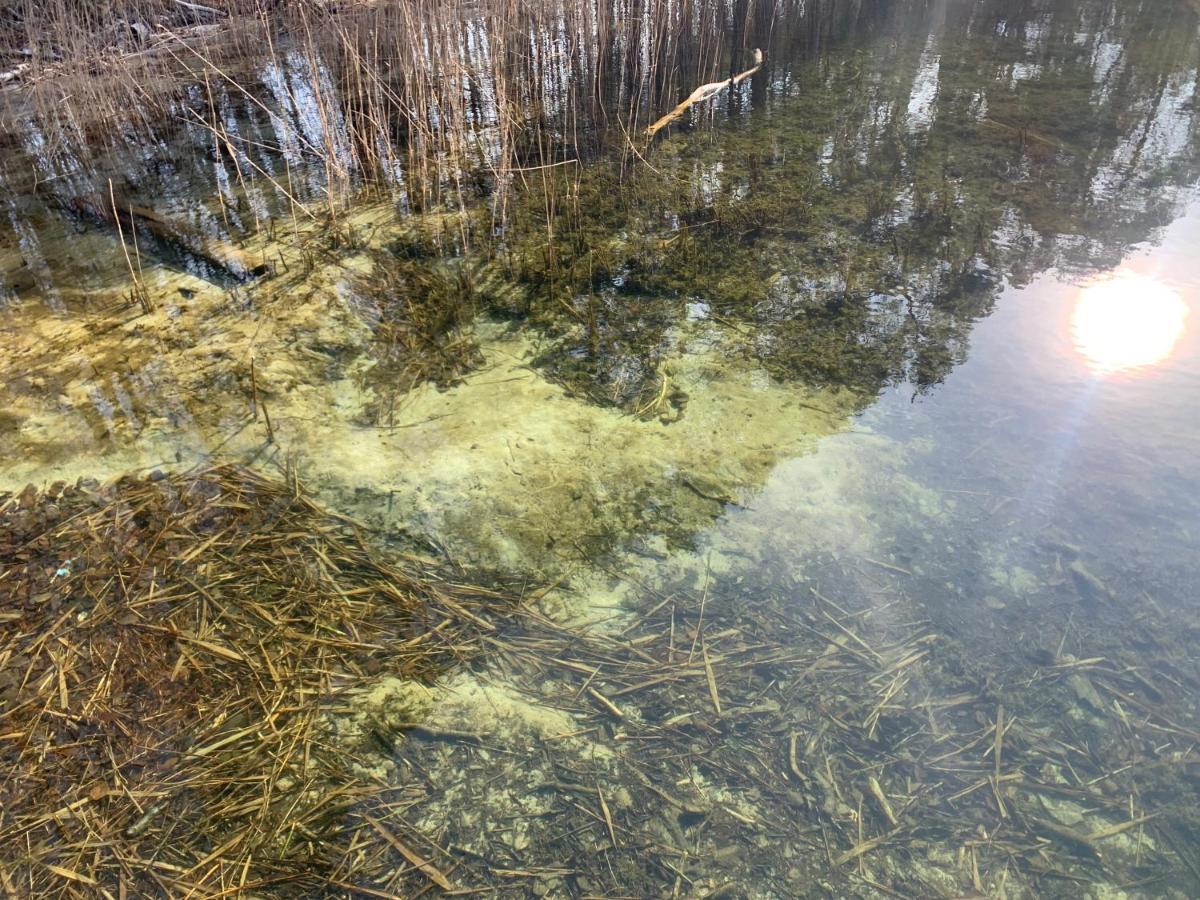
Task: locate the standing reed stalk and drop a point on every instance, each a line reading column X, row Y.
column 434, row 103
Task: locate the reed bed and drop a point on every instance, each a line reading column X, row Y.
column 173, row 651
column 483, row 115
column 426, row 98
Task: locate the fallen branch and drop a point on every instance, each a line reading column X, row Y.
column 702, row 93
column 199, row 8
column 218, row 253
column 14, row 73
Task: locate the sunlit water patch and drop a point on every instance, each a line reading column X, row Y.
column 1126, row 322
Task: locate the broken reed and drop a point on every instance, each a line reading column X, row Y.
column 171, row 651
column 138, row 292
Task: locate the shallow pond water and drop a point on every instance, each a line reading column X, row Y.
column 842, row 439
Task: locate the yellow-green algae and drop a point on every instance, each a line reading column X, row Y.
column 505, row 468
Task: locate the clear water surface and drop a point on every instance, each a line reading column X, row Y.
column 857, row 425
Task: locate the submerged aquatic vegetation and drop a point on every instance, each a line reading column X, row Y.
column 852, row 242
column 420, row 315
column 853, row 237
column 177, row 656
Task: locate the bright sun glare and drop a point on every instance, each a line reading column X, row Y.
column 1127, row 321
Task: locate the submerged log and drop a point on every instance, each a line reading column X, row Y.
column 702, row 93
column 120, row 214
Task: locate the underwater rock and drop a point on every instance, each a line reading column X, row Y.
column 1092, row 590
column 1083, row 690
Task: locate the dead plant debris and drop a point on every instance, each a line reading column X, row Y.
column 791, row 745
column 171, row 651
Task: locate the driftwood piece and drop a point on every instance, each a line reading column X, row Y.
column 702, row 93
column 14, row 73
column 119, row 213
column 200, row 8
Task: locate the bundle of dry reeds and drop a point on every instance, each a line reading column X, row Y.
column 171, row 652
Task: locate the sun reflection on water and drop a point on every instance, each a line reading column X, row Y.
column 1127, row 321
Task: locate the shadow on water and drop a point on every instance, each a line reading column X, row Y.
column 861, row 509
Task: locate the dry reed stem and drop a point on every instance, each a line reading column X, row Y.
column 170, row 652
